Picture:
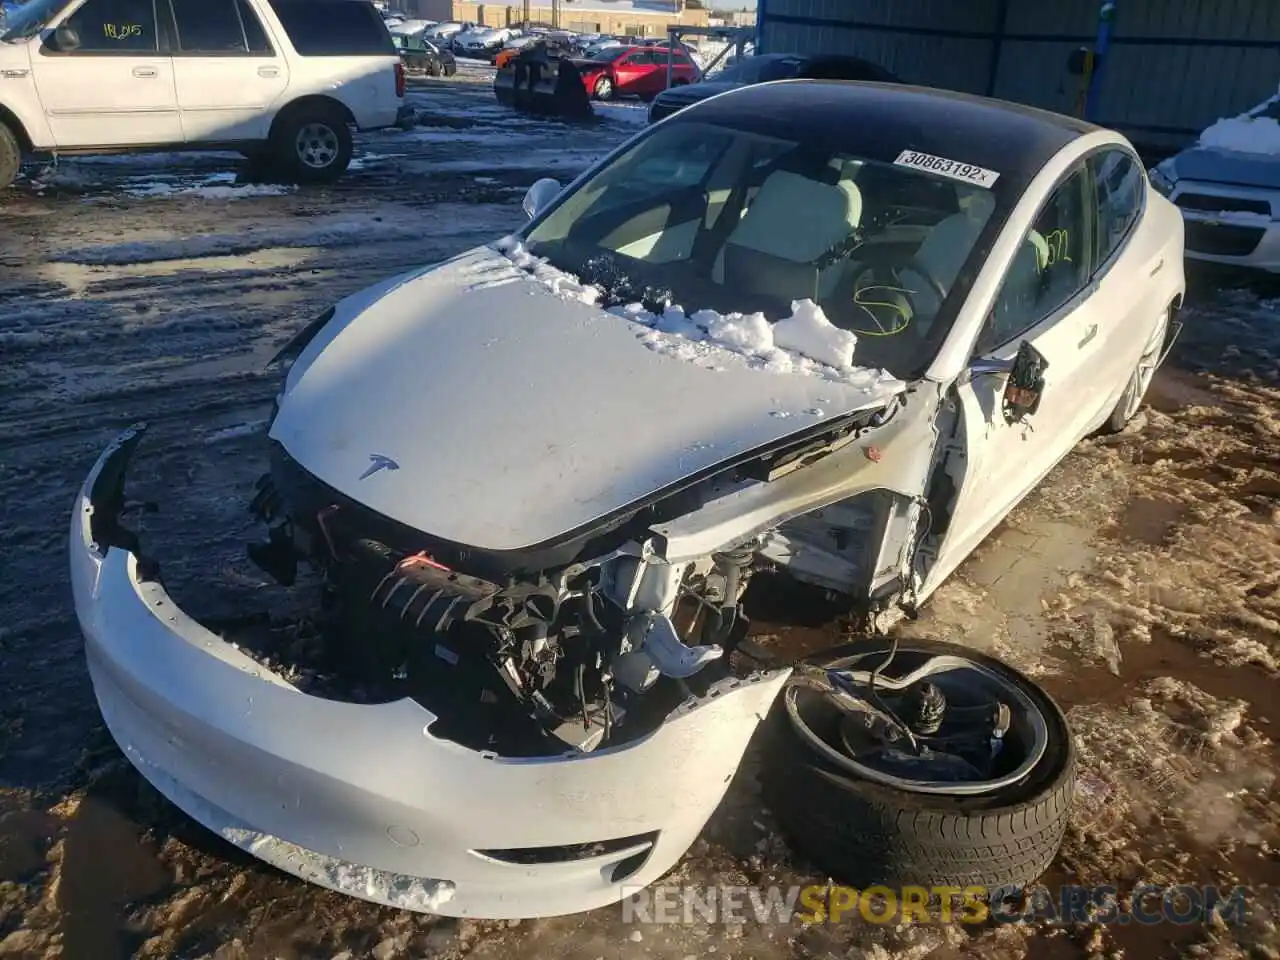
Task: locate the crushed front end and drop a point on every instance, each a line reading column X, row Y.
column 520, row 771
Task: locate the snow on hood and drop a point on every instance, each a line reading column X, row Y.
column 518, row 411
column 1247, row 133
column 805, row 342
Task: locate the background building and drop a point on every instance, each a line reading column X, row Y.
column 1173, row 66
column 631, row 17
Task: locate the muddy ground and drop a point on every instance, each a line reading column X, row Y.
column 1141, row 584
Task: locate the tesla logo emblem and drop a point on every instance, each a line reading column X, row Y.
column 378, row 463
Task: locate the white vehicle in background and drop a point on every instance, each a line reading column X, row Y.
column 1228, row 189
column 411, row 27
column 446, row 30
column 482, row 44
column 829, row 330
column 286, row 80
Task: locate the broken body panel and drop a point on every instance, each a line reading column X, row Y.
column 365, row 799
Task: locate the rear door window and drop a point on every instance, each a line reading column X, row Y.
column 215, row 27
column 334, row 28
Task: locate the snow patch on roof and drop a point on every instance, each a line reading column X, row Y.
column 805, row 343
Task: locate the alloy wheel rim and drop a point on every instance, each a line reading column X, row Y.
column 317, row 145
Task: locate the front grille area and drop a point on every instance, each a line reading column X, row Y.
column 1206, row 203
column 1223, row 240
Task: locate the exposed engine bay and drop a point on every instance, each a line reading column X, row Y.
column 583, row 644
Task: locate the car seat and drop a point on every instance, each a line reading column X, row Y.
column 792, row 221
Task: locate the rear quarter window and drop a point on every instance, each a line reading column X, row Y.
column 334, row 28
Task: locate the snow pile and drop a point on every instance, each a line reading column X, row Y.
column 211, row 191
column 808, row 332
column 1244, row 134
column 805, row 342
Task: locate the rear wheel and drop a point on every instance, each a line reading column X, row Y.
column 603, row 89
column 314, row 145
column 10, row 156
column 1140, row 380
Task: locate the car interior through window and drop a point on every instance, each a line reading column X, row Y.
column 707, row 216
column 1052, row 265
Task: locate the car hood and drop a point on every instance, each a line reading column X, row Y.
column 514, row 415
column 693, row 92
column 1228, row 167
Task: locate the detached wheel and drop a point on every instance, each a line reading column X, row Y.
column 603, row 90
column 1140, row 380
column 977, row 791
column 313, row 145
column 10, row 156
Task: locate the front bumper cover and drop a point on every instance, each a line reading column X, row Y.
column 363, row 799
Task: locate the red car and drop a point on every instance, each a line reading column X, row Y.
column 634, row 71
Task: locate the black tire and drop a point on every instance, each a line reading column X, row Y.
column 864, row 833
column 604, row 89
column 330, row 149
column 10, row 156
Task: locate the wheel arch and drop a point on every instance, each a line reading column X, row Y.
column 10, row 120
column 315, row 101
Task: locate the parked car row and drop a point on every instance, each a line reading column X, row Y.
column 762, row 69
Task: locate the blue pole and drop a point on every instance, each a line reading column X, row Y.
column 760, row 15
column 1106, row 15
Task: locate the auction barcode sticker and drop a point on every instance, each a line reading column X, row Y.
column 967, row 172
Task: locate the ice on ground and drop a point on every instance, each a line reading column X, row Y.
column 328, row 232
column 806, row 342
column 211, row 191
column 1244, row 134
column 632, row 113
column 239, row 430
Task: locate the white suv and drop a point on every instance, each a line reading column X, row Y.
column 283, row 80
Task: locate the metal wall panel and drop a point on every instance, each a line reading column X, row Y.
column 932, row 42
column 1174, row 66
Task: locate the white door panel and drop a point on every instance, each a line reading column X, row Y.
column 108, row 100
column 1004, row 461
column 1046, row 299
column 229, row 75
column 228, row 98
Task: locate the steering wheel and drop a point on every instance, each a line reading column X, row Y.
column 895, row 268
column 892, row 294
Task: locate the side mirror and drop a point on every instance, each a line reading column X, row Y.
column 540, row 196
column 1025, row 386
column 66, row 39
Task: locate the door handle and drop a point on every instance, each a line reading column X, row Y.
column 1088, row 335
column 145, row 72
column 268, row 72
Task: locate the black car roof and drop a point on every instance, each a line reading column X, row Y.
column 880, row 120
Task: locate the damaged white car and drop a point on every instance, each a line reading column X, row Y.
column 827, row 331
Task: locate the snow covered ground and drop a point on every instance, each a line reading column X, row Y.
column 1141, row 583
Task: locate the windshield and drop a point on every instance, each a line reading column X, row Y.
column 29, row 19
column 710, row 217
